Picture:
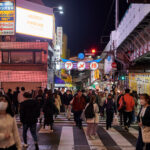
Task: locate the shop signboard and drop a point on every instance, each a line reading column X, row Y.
column 81, row 65
column 7, row 17
column 94, row 66
column 68, row 65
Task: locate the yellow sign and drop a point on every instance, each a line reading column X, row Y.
column 140, row 82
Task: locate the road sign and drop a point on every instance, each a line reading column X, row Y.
column 81, row 65
column 114, row 65
column 68, row 65
column 94, row 66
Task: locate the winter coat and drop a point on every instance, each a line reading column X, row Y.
column 29, row 111
column 129, row 102
column 78, row 103
column 67, row 99
column 96, row 112
column 110, row 105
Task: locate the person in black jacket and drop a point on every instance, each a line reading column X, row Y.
column 49, row 110
column 143, row 120
column 15, row 100
column 67, row 99
column 29, row 113
column 110, row 106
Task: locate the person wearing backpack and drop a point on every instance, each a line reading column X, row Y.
column 110, row 107
column 126, row 104
column 92, row 117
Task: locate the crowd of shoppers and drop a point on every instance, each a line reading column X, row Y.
column 88, row 105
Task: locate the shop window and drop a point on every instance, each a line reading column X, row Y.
column 22, row 57
column 38, row 57
column 5, row 57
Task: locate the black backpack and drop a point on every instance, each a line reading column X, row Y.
column 89, row 111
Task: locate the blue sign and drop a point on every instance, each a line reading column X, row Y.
column 81, row 56
column 109, row 58
column 6, row 6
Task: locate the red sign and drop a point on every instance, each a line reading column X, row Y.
column 94, row 66
column 114, row 65
column 68, row 65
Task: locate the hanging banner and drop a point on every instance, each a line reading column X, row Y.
column 7, row 17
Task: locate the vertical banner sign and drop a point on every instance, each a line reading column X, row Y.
column 7, row 17
column 60, row 37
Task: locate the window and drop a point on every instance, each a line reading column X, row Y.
column 38, row 57
column 22, row 57
column 5, row 57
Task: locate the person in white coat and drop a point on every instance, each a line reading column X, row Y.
column 92, row 123
column 9, row 136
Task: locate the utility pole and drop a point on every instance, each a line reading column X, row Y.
column 117, row 14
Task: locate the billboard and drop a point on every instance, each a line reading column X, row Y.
column 7, row 17
column 34, row 23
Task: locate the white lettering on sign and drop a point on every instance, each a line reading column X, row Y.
column 81, row 66
column 68, row 65
column 94, row 66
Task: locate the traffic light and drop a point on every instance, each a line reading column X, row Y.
column 122, row 77
column 93, row 51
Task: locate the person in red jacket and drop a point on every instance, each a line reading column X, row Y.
column 78, row 106
column 128, row 101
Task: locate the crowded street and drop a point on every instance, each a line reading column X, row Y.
column 74, row 74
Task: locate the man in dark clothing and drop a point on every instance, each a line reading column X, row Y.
column 15, row 100
column 29, row 113
column 67, row 99
column 78, row 106
column 110, row 106
column 10, row 95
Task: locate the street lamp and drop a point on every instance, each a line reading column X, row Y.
column 60, row 8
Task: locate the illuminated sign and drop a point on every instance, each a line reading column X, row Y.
column 68, row 65
column 7, row 17
column 34, row 23
column 94, row 66
column 81, row 66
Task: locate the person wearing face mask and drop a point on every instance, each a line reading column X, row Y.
column 9, row 136
column 143, row 121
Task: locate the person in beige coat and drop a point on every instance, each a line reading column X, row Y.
column 9, row 136
column 57, row 101
column 92, row 123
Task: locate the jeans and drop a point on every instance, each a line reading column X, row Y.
column 32, row 130
column 91, row 129
column 140, row 145
column 68, row 111
column 77, row 118
column 127, row 118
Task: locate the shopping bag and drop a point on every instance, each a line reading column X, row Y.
column 83, row 116
column 115, row 121
column 146, row 134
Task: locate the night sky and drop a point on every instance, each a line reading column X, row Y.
column 85, row 21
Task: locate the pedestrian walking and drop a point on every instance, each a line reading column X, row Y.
column 9, row 136
column 110, row 107
column 49, row 110
column 40, row 100
column 67, row 99
column 92, row 117
column 78, row 106
column 144, row 123
column 29, row 113
column 126, row 104
column 15, row 100
column 20, row 95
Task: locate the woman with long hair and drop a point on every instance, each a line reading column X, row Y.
column 9, row 136
column 143, row 121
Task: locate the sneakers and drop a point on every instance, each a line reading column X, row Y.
column 25, row 145
column 126, row 128
column 92, row 137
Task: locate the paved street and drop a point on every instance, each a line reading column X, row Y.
column 67, row 136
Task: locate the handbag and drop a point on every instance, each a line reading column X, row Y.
column 146, row 134
column 83, row 116
column 115, row 121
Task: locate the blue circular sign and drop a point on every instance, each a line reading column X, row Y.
column 81, row 56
